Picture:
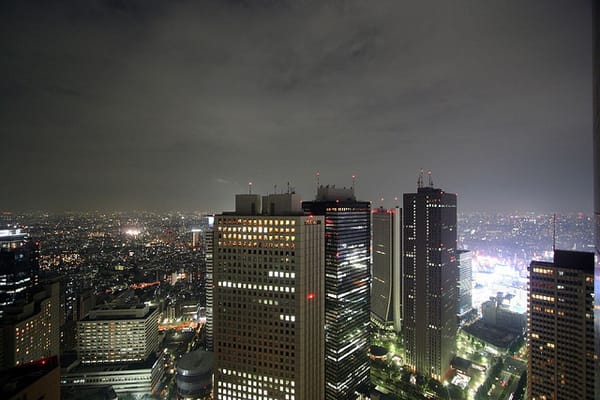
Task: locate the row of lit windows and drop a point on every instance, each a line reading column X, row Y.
column 255, row 229
column 269, row 288
column 244, row 236
column 543, row 297
column 239, row 243
column 255, row 221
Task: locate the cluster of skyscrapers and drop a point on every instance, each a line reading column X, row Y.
column 298, row 286
column 295, row 291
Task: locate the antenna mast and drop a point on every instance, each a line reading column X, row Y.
column 249, row 187
column 420, row 180
column 430, row 179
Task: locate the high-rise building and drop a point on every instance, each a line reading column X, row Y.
column 347, row 286
column 561, row 327
column 118, row 334
column 430, row 278
column 208, row 263
column 30, row 331
column 465, row 283
column 268, row 309
column 19, row 266
column 386, row 285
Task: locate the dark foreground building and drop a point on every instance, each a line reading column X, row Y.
column 561, row 327
column 430, row 296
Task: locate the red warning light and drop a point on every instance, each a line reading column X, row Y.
column 310, row 296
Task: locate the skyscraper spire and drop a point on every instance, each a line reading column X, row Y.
column 420, row 180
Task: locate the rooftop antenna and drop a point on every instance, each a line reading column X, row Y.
column 275, row 188
column 318, row 176
column 430, row 183
column 353, row 182
column 288, row 188
column 249, row 187
column 420, row 180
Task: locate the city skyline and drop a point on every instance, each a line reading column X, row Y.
column 122, row 105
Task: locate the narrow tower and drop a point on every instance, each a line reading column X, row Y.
column 430, row 278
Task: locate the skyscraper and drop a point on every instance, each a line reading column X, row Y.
column 208, row 262
column 386, row 285
column 19, row 266
column 561, row 327
column 268, row 308
column 430, row 277
column 347, row 280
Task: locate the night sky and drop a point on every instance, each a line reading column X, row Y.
column 164, row 105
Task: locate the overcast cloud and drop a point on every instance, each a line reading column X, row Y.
column 178, row 104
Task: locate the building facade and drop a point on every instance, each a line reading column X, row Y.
column 561, row 327
column 386, row 284
column 268, row 301
column 430, row 280
column 208, row 262
column 139, row 378
column 30, row 331
column 465, row 281
column 118, row 334
column 347, row 286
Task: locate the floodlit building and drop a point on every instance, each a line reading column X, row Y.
column 561, row 327
column 386, row 284
column 347, row 286
column 30, row 331
column 465, row 281
column 118, row 334
column 430, row 298
column 268, row 300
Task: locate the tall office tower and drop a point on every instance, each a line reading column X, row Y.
column 208, row 262
column 430, row 276
column 347, row 280
column 118, row 334
column 386, row 286
column 30, row 331
column 561, row 327
column 268, row 309
column 19, row 266
column 465, row 285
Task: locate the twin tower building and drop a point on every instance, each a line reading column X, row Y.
column 293, row 282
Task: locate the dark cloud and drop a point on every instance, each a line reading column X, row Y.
column 177, row 104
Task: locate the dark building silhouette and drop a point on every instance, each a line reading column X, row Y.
column 386, row 284
column 36, row 380
column 430, row 297
column 561, row 327
column 347, row 280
